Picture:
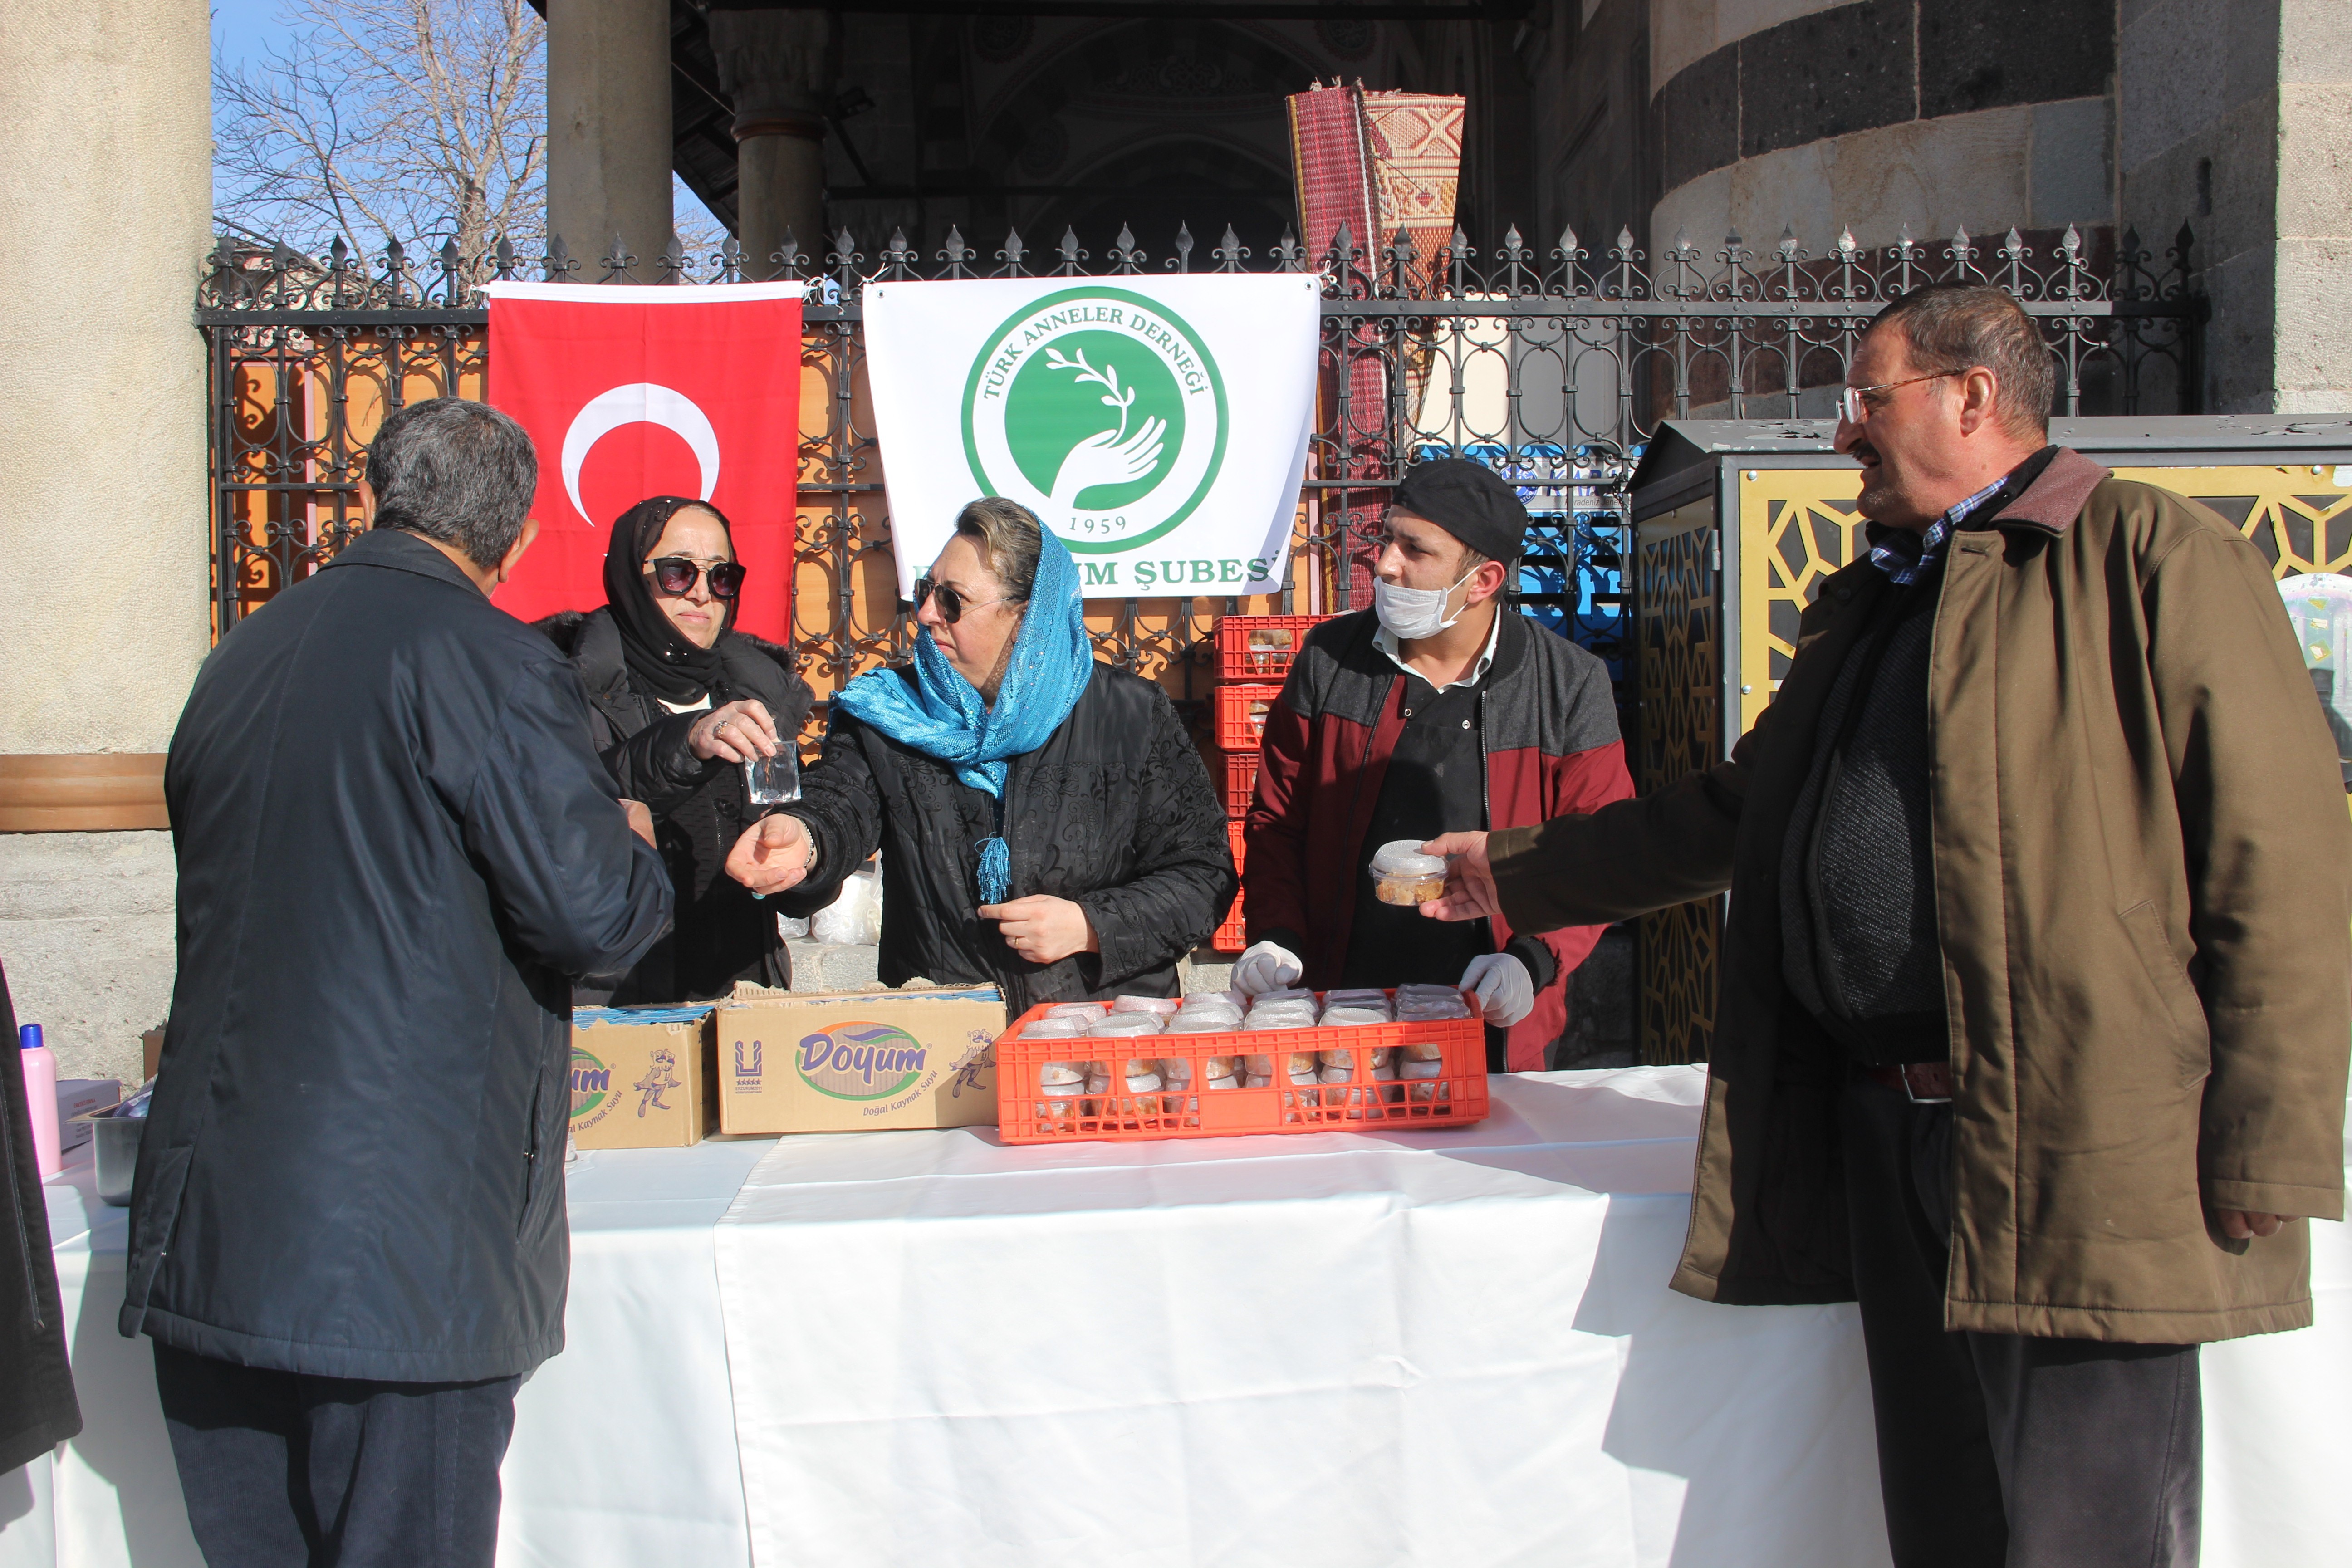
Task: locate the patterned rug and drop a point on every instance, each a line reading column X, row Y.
column 1416, row 142
column 1382, row 164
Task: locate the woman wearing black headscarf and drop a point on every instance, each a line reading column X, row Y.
column 678, row 699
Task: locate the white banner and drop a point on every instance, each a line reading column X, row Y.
column 1157, row 425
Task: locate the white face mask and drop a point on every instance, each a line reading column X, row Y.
column 1414, row 613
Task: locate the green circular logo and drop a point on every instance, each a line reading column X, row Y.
column 1099, row 411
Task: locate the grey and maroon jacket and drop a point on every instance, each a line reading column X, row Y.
column 1549, row 727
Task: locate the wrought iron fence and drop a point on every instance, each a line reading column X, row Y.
column 1554, row 368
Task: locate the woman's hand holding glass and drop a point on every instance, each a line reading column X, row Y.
column 1041, row 929
column 735, row 733
column 771, row 856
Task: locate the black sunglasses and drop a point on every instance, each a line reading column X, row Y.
column 675, row 575
column 952, row 604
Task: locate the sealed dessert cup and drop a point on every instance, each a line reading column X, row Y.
column 1401, row 874
column 1078, row 1010
column 1163, row 1005
column 1143, row 1074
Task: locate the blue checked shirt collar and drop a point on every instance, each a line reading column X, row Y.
column 1906, row 556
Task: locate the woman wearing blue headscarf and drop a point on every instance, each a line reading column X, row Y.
column 1045, row 820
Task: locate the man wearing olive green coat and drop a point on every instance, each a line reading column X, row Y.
column 2089, row 1132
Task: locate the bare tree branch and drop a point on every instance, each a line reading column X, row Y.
column 408, row 120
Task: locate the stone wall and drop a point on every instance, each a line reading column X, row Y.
column 86, row 931
column 105, row 217
column 2237, row 115
column 1878, row 114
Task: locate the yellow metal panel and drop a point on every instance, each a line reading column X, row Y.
column 1798, row 525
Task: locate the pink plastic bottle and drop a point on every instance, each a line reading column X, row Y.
column 41, row 1099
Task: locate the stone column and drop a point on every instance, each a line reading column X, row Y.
column 608, row 130
column 2239, row 117
column 105, row 220
column 779, row 67
column 2310, row 374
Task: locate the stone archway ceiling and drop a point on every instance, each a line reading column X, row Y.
column 1148, row 121
column 703, row 143
column 1197, row 183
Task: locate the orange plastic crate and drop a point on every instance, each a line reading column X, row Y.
column 1240, row 716
column 1229, row 937
column 1260, row 647
column 1241, row 781
column 1456, row 1098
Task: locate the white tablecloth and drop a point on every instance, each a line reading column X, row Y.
column 1422, row 1348
column 1435, row 1348
column 624, row 1447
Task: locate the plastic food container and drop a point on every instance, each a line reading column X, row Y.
column 1412, row 1072
column 114, row 1151
column 1401, row 874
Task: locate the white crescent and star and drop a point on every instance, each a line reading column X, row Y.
column 639, row 403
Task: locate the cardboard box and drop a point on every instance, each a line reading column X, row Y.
column 79, row 1096
column 840, row 1061
column 151, row 1051
column 641, row 1076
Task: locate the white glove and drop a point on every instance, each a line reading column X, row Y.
column 1267, row 967
column 1507, row 992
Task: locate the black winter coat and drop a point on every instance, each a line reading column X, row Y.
column 396, row 850
column 37, row 1408
column 1114, row 812
column 719, row 934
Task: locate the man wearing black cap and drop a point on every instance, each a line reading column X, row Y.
column 1434, row 711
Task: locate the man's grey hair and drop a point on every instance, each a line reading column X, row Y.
column 1958, row 326
column 454, row 471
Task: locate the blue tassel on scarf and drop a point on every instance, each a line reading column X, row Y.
column 943, row 717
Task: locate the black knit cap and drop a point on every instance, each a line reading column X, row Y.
column 1468, row 500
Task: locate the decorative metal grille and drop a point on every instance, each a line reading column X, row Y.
column 1554, row 368
column 1679, row 565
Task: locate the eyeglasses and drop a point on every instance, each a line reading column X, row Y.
column 952, row 604
column 1852, row 404
column 674, row 576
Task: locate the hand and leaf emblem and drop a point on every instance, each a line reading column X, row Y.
column 1107, row 456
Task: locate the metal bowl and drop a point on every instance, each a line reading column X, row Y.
column 114, row 1145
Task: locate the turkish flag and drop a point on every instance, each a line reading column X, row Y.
column 635, row 391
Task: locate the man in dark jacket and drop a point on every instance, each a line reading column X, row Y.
column 396, row 850
column 1438, row 710
column 2032, row 1030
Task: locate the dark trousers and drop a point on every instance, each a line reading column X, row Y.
column 284, row 1471
column 2000, row 1450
